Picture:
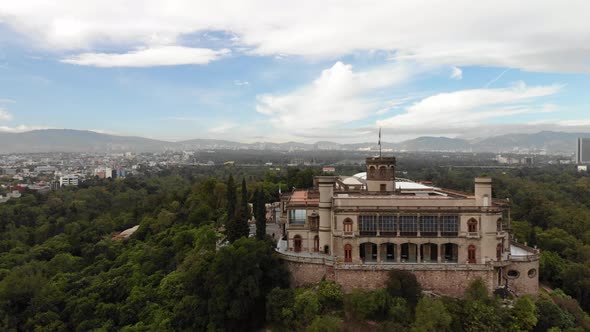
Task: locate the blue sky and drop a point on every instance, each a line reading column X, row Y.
column 305, row 71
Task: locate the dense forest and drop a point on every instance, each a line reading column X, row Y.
column 191, row 266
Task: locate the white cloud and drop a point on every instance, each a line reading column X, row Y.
column 338, row 96
column 574, row 123
column 457, row 74
column 241, row 83
column 5, row 115
column 530, row 35
column 459, row 110
column 223, row 128
column 7, row 101
column 20, row 129
column 155, row 56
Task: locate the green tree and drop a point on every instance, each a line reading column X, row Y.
column 399, row 311
column 244, row 200
column 362, row 305
column 405, row 285
column 325, row 324
column 479, row 311
column 431, row 316
column 477, row 291
column 523, row 314
column 307, row 306
column 330, row 295
column 260, row 214
column 231, row 225
column 239, row 279
column 280, row 309
column 551, row 315
column 551, row 266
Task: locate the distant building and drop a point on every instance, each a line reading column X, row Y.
column 103, row 172
column 119, row 173
column 329, row 169
column 8, row 171
column 68, row 180
column 44, row 169
column 582, row 168
column 583, row 151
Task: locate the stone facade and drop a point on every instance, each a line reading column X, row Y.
column 353, row 230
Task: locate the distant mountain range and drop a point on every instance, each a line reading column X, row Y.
column 67, row 140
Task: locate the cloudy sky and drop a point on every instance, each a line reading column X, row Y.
column 295, row 70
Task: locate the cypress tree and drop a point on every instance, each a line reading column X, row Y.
column 238, row 221
column 260, row 213
column 230, row 227
column 244, row 202
column 243, row 228
column 255, row 204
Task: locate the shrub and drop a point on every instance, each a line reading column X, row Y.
column 405, row 285
column 330, row 295
column 325, row 324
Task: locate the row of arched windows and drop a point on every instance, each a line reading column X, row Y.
column 382, row 171
column 297, row 243
column 471, row 225
column 409, row 252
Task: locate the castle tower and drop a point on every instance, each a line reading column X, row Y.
column 380, row 174
column 483, row 191
column 326, row 188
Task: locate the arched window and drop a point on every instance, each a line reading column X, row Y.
column 316, row 243
column 409, row 252
column 382, row 172
column 472, row 225
column 368, row 252
column 347, row 225
column 471, row 254
column 450, row 252
column 297, row 243
column 348, row 253
column 372, row 171
column 499, row 225
column 499, row 252
column 429, row 253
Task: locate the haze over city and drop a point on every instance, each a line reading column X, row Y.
column 294, row 71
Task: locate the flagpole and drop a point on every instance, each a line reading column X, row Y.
column 379, row 142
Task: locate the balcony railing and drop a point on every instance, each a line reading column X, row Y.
column 429, row 234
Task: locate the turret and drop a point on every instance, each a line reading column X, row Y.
column 381, row 174
column 483, row 191
column 326, row 188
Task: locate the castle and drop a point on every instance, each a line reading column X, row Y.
column 354, row 229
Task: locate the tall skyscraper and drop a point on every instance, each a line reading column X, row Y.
column 583, row 151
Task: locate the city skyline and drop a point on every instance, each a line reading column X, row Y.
column 258, row 71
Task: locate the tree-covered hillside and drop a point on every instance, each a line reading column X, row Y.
column 61, row 269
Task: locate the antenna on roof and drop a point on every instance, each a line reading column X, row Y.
column 379, row 142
